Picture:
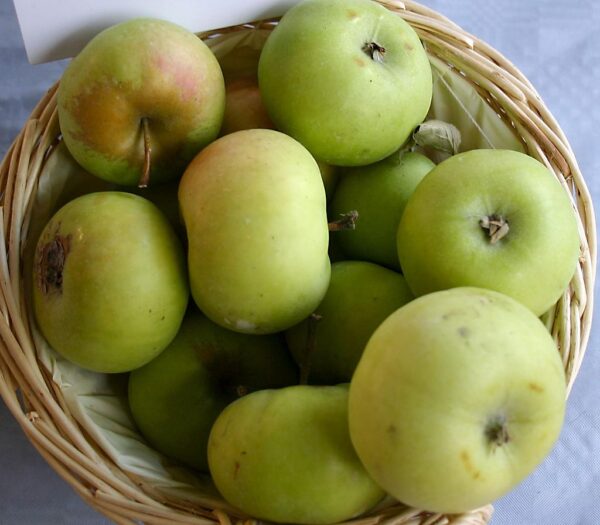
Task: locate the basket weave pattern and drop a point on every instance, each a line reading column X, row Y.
column 37, row 403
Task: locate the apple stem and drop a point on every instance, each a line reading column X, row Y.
column 347, row 222
column 497, row 432
column 311, row 340
column 375, row 51
column 496, row 226
column 145, row 178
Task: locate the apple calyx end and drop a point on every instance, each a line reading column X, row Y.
column 51, row 262
column 145, row 177
column 496, row 432
column 497, row 227
column 374, row 51
column 346, row 222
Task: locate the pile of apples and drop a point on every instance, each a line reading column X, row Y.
column 415, row 366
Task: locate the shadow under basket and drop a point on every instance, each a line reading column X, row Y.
column 100, row 456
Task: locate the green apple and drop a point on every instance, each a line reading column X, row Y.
column 253, row 205
column 110, row 287
column 176, row 398
column 360, row 296
column 139, row 101
column 330, row 176
column 350, row 80
column 379, row 192
column 495, row 219
column 244, row 108
column 458, row 396
column 285, row 456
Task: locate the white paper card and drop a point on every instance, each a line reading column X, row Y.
column 55, row 30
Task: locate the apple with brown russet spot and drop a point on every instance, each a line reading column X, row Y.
column 139, row 101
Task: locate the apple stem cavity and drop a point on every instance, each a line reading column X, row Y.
column 496, row 226
column 346, row 222
column 145, row 178
column 311, row 340
column 374, row 51
column 496, row 432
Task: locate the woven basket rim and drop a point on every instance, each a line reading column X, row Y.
column 36, row 402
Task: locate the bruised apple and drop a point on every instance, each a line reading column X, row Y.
column 109, row 282
column 458, row 396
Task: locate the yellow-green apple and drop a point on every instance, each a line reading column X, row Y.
column 379, row 193
column 176, row 397
column 348, row 79
column 253, row 205
column 244, row 108
column 139, row 101
column 285, row 456
column 110, row 286
column 328, row 344
column 458, row 396
column 494, row 219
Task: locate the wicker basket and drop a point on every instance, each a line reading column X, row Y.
column 36, row 401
